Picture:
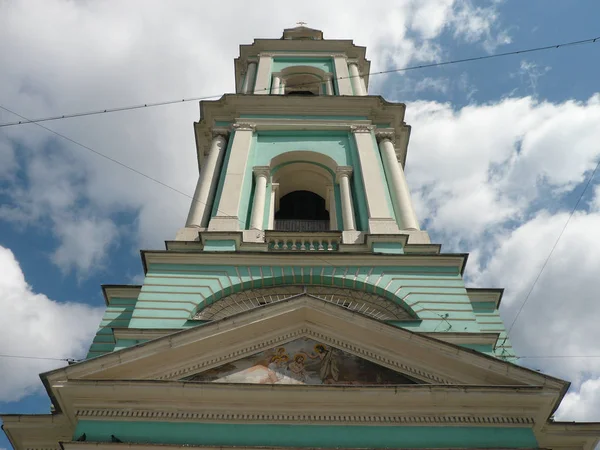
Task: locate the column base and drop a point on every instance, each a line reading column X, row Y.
column 189, row 234
column 224, row 223
column 383, row 226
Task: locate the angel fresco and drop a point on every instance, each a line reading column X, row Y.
column 302, row 361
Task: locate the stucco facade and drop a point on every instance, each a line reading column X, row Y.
column 301, row 305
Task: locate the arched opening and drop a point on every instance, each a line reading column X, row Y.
column 303, row 84
column 302, row 211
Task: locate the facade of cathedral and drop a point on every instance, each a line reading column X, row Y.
column 301, row 305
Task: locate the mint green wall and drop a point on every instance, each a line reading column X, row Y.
column 317, row 436
column 279, row 63
column 173, row 293
column 388, row 197
column 117, row 314
column 336, row 145
column 219, row 245
column 388, row 248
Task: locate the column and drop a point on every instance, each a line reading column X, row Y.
column 397, row 184
column 207, row 184
column 228, row 207
column 249, row 78
column 331, row 207
column 343, row 178
column 329, row 86
column 261, row 173
column 273, row 206
column 282, row 87
column 275, row 85
column 355, row 79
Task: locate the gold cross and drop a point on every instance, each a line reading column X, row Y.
column 301, row 23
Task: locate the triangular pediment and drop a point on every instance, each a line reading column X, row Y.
column 212, row 346
column 303, row 361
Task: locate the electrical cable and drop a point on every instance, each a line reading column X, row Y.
column 587, row 185
column 116, row 161
column 382, row 72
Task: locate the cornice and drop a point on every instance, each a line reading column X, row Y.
column 111, row 291
column 313, row 418
column 456, row 261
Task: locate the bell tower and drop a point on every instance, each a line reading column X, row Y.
column 302, row 148
column 301, row 306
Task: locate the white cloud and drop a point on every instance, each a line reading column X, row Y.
column 475, row 169
column 31, row 324
column 583, row 405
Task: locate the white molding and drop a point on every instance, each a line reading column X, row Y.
column 348, row 418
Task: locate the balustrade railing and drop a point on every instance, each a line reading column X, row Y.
column 301, row 225
column 303, row 241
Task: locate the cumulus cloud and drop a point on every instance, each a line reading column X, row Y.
column 476, row 169
column 31, row 324
column 583, row 405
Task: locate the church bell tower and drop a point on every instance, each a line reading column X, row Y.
column 301, row 305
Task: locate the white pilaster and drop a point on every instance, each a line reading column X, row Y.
column 343, row 178
column 355, row 79
column 207, row 184
column 227, row 217
column 249, row 78
column 273, row 206
column 262, row 85
column 341, row 72
column 261, row 174
column 381, row 220
column 397, row 185
column 276, row 85
column 331, row 207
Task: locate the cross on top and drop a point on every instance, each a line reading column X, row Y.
column 301, row 23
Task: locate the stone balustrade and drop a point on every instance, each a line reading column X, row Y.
column 302, row 241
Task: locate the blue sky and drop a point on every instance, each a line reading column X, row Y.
column 499, row 153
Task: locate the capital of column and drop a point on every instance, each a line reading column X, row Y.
column 339, row 55
column 383, row 135
column 261, row 171
column 341, row 172
column 267, row 55
column 362, row 128
column 244, row 126
column 223, row 132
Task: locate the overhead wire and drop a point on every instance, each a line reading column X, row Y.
column 116, row 161
column 587, row 185
column 422, row 66
column 381, row 72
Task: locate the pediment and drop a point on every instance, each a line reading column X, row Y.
column 211, row 346
column 303, row 361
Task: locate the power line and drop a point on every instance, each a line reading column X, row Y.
column 116, row 161
column 589, row 181
column 395, row 70
column 39, row 357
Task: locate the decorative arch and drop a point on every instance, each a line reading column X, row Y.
column 307, row 277
column 305, row 171
column 305, row 79
column 361, row 302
